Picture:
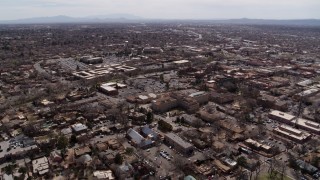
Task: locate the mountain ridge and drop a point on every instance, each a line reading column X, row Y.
column 133, row 18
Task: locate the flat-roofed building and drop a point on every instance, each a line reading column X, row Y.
column 103, row 175
column 281, row 116
column 79, row 128
column 138, row 140
column 152, row 50
column 181, row 63
column 292, row 133
column 189, row 104
column 308, row 125
column 40, row 166
column 201, row 96
column 306, row 93
column 164, row 104
column 178, row 143
column 304, row 124
column 109, row 90
column 257, row 146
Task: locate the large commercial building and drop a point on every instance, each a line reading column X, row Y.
column 292, row 133
column 164, row 104
column 295, row 121
column 179, row 144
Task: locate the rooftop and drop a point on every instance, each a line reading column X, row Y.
column 178, row 140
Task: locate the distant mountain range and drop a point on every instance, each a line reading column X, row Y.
column 68, row 19
column 132, row 18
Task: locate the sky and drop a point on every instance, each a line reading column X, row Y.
column 163, row 9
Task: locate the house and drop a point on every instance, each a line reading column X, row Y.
column 113, row 144
column 55, row 156
column 40, row 166
column 102, row 146
column 179, row 144
column 85, row 159
column 108, row 156
column 82, row 150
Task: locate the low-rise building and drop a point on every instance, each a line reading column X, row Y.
column 281, row 116
column 202, row 97
column 40, row 166
column 138, row 140
column 82, row 150
column 103, row 175
column 304, row 124
column 178, row 143
column 292, row 133
column 79, row 128
column 257, row 146
column 164, row 104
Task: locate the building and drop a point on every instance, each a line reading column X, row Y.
column 305, row 83
column 229, row 162
column 292, row 133
column 306, row 93
column 221, row 98
column 304, row 124
column 152, row 50
column 281, row 116
column 178, row 143
column 149, row 133
column 202, row 97
column 164, row 104
column 91, row 60
column 40, row 166
column 138, row 140
column 189, row 104
column 307, row 167
column 81, row 150
column 307, row 125
column 107, row 89
column 79, row 128
column 182, row 63
column 257, row 146
column 103, row 175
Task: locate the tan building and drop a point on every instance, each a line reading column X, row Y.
column 164, row 104
column 40, row 166
column 292, row 133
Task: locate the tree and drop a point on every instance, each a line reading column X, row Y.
column 73, row 139
column 118, row 159
column 129, row 150
column 149, row 117
column 62, row 142
column 22, row 170
column 242, row 161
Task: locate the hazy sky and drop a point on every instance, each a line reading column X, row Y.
column 167, row 9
